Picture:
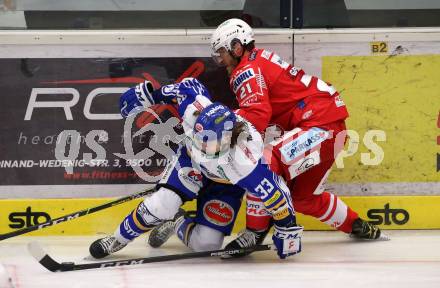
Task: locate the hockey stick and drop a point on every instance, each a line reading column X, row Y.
column 50, row 264
column 75, row 215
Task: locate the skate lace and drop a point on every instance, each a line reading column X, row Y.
column 367, row 231
column 371, row 231
column 161, row 233
column 165, row 229
column 111, row 245
column 246, row 239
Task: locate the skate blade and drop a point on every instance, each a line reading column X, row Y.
column 382, row 237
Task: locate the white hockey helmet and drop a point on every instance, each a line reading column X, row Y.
column 230, row 31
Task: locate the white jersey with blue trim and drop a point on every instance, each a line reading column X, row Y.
column 242, row 164
column 236, row 163
column 231, row 166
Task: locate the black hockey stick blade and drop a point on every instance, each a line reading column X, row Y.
column 75, row 215
column 50, row 264
column 40, row 255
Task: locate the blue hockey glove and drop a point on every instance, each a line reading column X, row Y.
column 136, row 98
column 287, row 240
column 191, row 87
column 177, row 93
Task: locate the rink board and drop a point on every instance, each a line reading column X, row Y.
column 389, row 212
column 407, row 151
column 404, row 79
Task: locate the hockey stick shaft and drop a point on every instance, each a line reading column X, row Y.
column 75, row 215
column 49, row 263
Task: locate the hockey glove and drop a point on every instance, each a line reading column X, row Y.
column 287, row 240
column 136, row 98
column 191, row 87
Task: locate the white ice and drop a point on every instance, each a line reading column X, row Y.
column 329, row 259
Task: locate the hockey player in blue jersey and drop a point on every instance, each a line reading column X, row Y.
column 219, row 160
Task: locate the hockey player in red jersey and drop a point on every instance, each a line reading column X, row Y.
column 309, row 111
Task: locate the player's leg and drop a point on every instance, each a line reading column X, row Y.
column 162, row 232
column 258, row 223
column 217, row 208
column 281, row 155
column 306, row 159
column 181, row 182
column 310, row 199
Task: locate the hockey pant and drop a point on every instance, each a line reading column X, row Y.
column 217, row 205
column 217, row 209
column 304, row 157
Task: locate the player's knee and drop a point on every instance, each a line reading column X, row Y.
column 312, row 205
column 161, row 205
column 204, row 238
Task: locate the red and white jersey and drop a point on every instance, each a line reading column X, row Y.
column 271, row 91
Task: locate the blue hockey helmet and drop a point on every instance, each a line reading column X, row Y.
column 213, row 129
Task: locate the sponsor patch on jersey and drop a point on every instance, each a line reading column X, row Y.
column 220, row 119
column 275, row 197
column 168, row 171
column 303, row 143
column 198, row 127
column 215, row 177
column 339, row 102
column 241, row 78
column 266, row 54
column 255, row 208
column 190, row 178
column 301, row 104
column 249, row 101
column 198, row 106
column 247, row 152
column 218, row 212
column 281, row 214
column 214, row 109
column 307, row 115
column 276, row 59
column 294, row 71
column 304, row 164
column 222, row 172
column 253, row 55
column 260, row 80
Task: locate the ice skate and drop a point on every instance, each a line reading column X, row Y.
column 161, row 233
column 245, row 239
column 105, row 246
column 363, row 230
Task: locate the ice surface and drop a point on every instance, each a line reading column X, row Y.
column 329, row 259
